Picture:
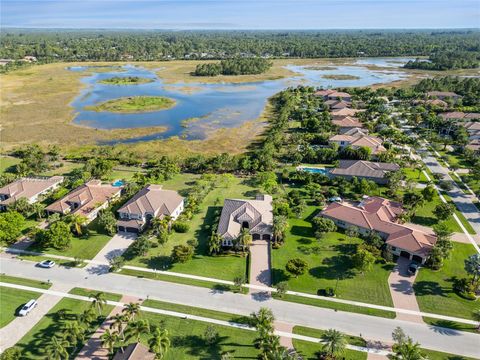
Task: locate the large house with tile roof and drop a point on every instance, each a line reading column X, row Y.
column 374, row 171
column 254, row 215
column 346, row 123
column 380, row 215
column 30, row 189
column 358, row 141
column 150, row 202
column 86, row 200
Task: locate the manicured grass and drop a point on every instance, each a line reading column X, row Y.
column 24, row 282
column 187, row 340
column 433, row 289
column 124, row 172
column 33, row 344
column 329, row 264
column 317, row 333
column 451, row 325
column 413, row 174
column 11, row 301
column 309, row 350
column 461, row 217
column 126, row 80
column 337, row 306
column 88, row 293
column 134, row 104
column 84, row 247
column 225, row 267
column 7, row 163
column 437, row 355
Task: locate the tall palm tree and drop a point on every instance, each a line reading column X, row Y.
column 74, row 333
column 138, row 328
column 57, row 348
column 159, row 343
column 334, row 342
column 245, row 239
column 214, row 243
column 408, row 350
column 280, row 225
column 87, row 316
column 117, row 323
column 77, row 222
column 109, row 340
column 98, row 301
column 131, row 310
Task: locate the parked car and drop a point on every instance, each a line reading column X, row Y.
column 29, row 306
column 47, row 264
column 413, row 268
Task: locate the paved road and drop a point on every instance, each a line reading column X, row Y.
column 370, row 327
column 462, row 201
column 15, row 330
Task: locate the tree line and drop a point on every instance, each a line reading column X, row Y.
column 237, row 66
column 450, row 60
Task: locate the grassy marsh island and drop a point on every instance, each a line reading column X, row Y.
column 134, row 104
column 340, row 77
column 126, row 80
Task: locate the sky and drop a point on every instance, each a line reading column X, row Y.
column 241, row 14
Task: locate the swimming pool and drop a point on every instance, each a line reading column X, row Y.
column 118, row 183
column 313, row 170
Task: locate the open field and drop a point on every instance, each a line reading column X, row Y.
column 134, row 104
column 329, row 264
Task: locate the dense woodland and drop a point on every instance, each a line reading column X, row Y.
column 237, row 66
column 450, row 60
column 91, row 45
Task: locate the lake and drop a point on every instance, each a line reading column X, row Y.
column 212, row 106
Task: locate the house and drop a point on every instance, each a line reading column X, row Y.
column 86, row 200
column 437, row 102
column 337, row 104
column 150, row 202
column 371, row 142
column 330, row 94
column 254, row 215
column 442, row 95
column 375, row 171
column 474, row 145
column 338, row 113
column 135, row 351
column 458, row 115
column 356, row 132
column 346, row 123
column 473, row 129
column 28, row 188
column 380, row 215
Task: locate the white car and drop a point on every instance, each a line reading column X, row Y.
column 29, row 306
column 47, row 264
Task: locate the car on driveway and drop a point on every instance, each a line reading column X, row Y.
column 46, row 264
column 29, row 306
column 413, row 268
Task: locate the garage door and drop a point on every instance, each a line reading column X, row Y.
column 417, row 259
column 405, row 254
column 132, row 230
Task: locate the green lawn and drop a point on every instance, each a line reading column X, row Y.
column 84, row 247
column 225, row 267
column 329, row 263
column 88, row 293
column 433, row 289
column 33, row 344
column 66, row 168
column 437, row 355
column 124, row 172
column 7, row 163
column 317, row 333
column 24, row 282
column 413, row 174
column 309, row 350
column 461, row 217
column 11, row 300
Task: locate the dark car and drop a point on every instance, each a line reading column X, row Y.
column 413, row 268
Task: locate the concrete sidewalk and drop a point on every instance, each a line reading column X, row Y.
column 20, row 326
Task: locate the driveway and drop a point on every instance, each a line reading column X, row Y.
column 115, row 247
column 401, row 289
column 15, row 330
column 260, row 271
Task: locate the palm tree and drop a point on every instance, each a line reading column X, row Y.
column 109, row 339
column 77, row 221
column 214, row 243
column 245, row 239
column 57, row 348
column 117, row 323
column 263, row 321
column 334, row 342
column 138, row 328
column 131, row 310
column 280, row 225
column 407, row 350
column 159, row 343
column 98, row 301
column 74, row 332
column 38, row 208
column 87, row 316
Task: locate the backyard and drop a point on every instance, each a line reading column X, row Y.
column 329, row 264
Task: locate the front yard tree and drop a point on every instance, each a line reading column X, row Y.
column 335, row 343
column 77, row 222
column 444, row 210
column 214, row 243
column 58, row 235
column 22, row 206
column 429, row 192
column 323, row 225
column 108, row 222
column 352, row 231
column 11, row 224
column 182, row 253
column 404, row 347
column 444, row 242
column 282, row 288
column 244, row 239
column 472, row 266
column 363, row 260
column 159, row 343
column 280, row 225
column 296, row 266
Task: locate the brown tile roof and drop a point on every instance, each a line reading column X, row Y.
column 471, row 126
column 355, row 132
column 474, row 145
column 344, row 112
column 347, row 121
column 136, row 351
column 442, row 94
column 258, row 213
column 88, row 195
column 452, row 115
column 337, row 104
column 372, row 142
column 379, row 214
column 437, row 102
column 152, row 199
column 472, row 116
column 364, row 168
column 325, row 92
column 28, row 188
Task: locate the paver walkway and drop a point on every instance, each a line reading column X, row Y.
column 93, row 348
column 381, row 347
column 15, row 330
column 285, row 328
column 115, row 247
column 260, row 271
column 401, row 290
